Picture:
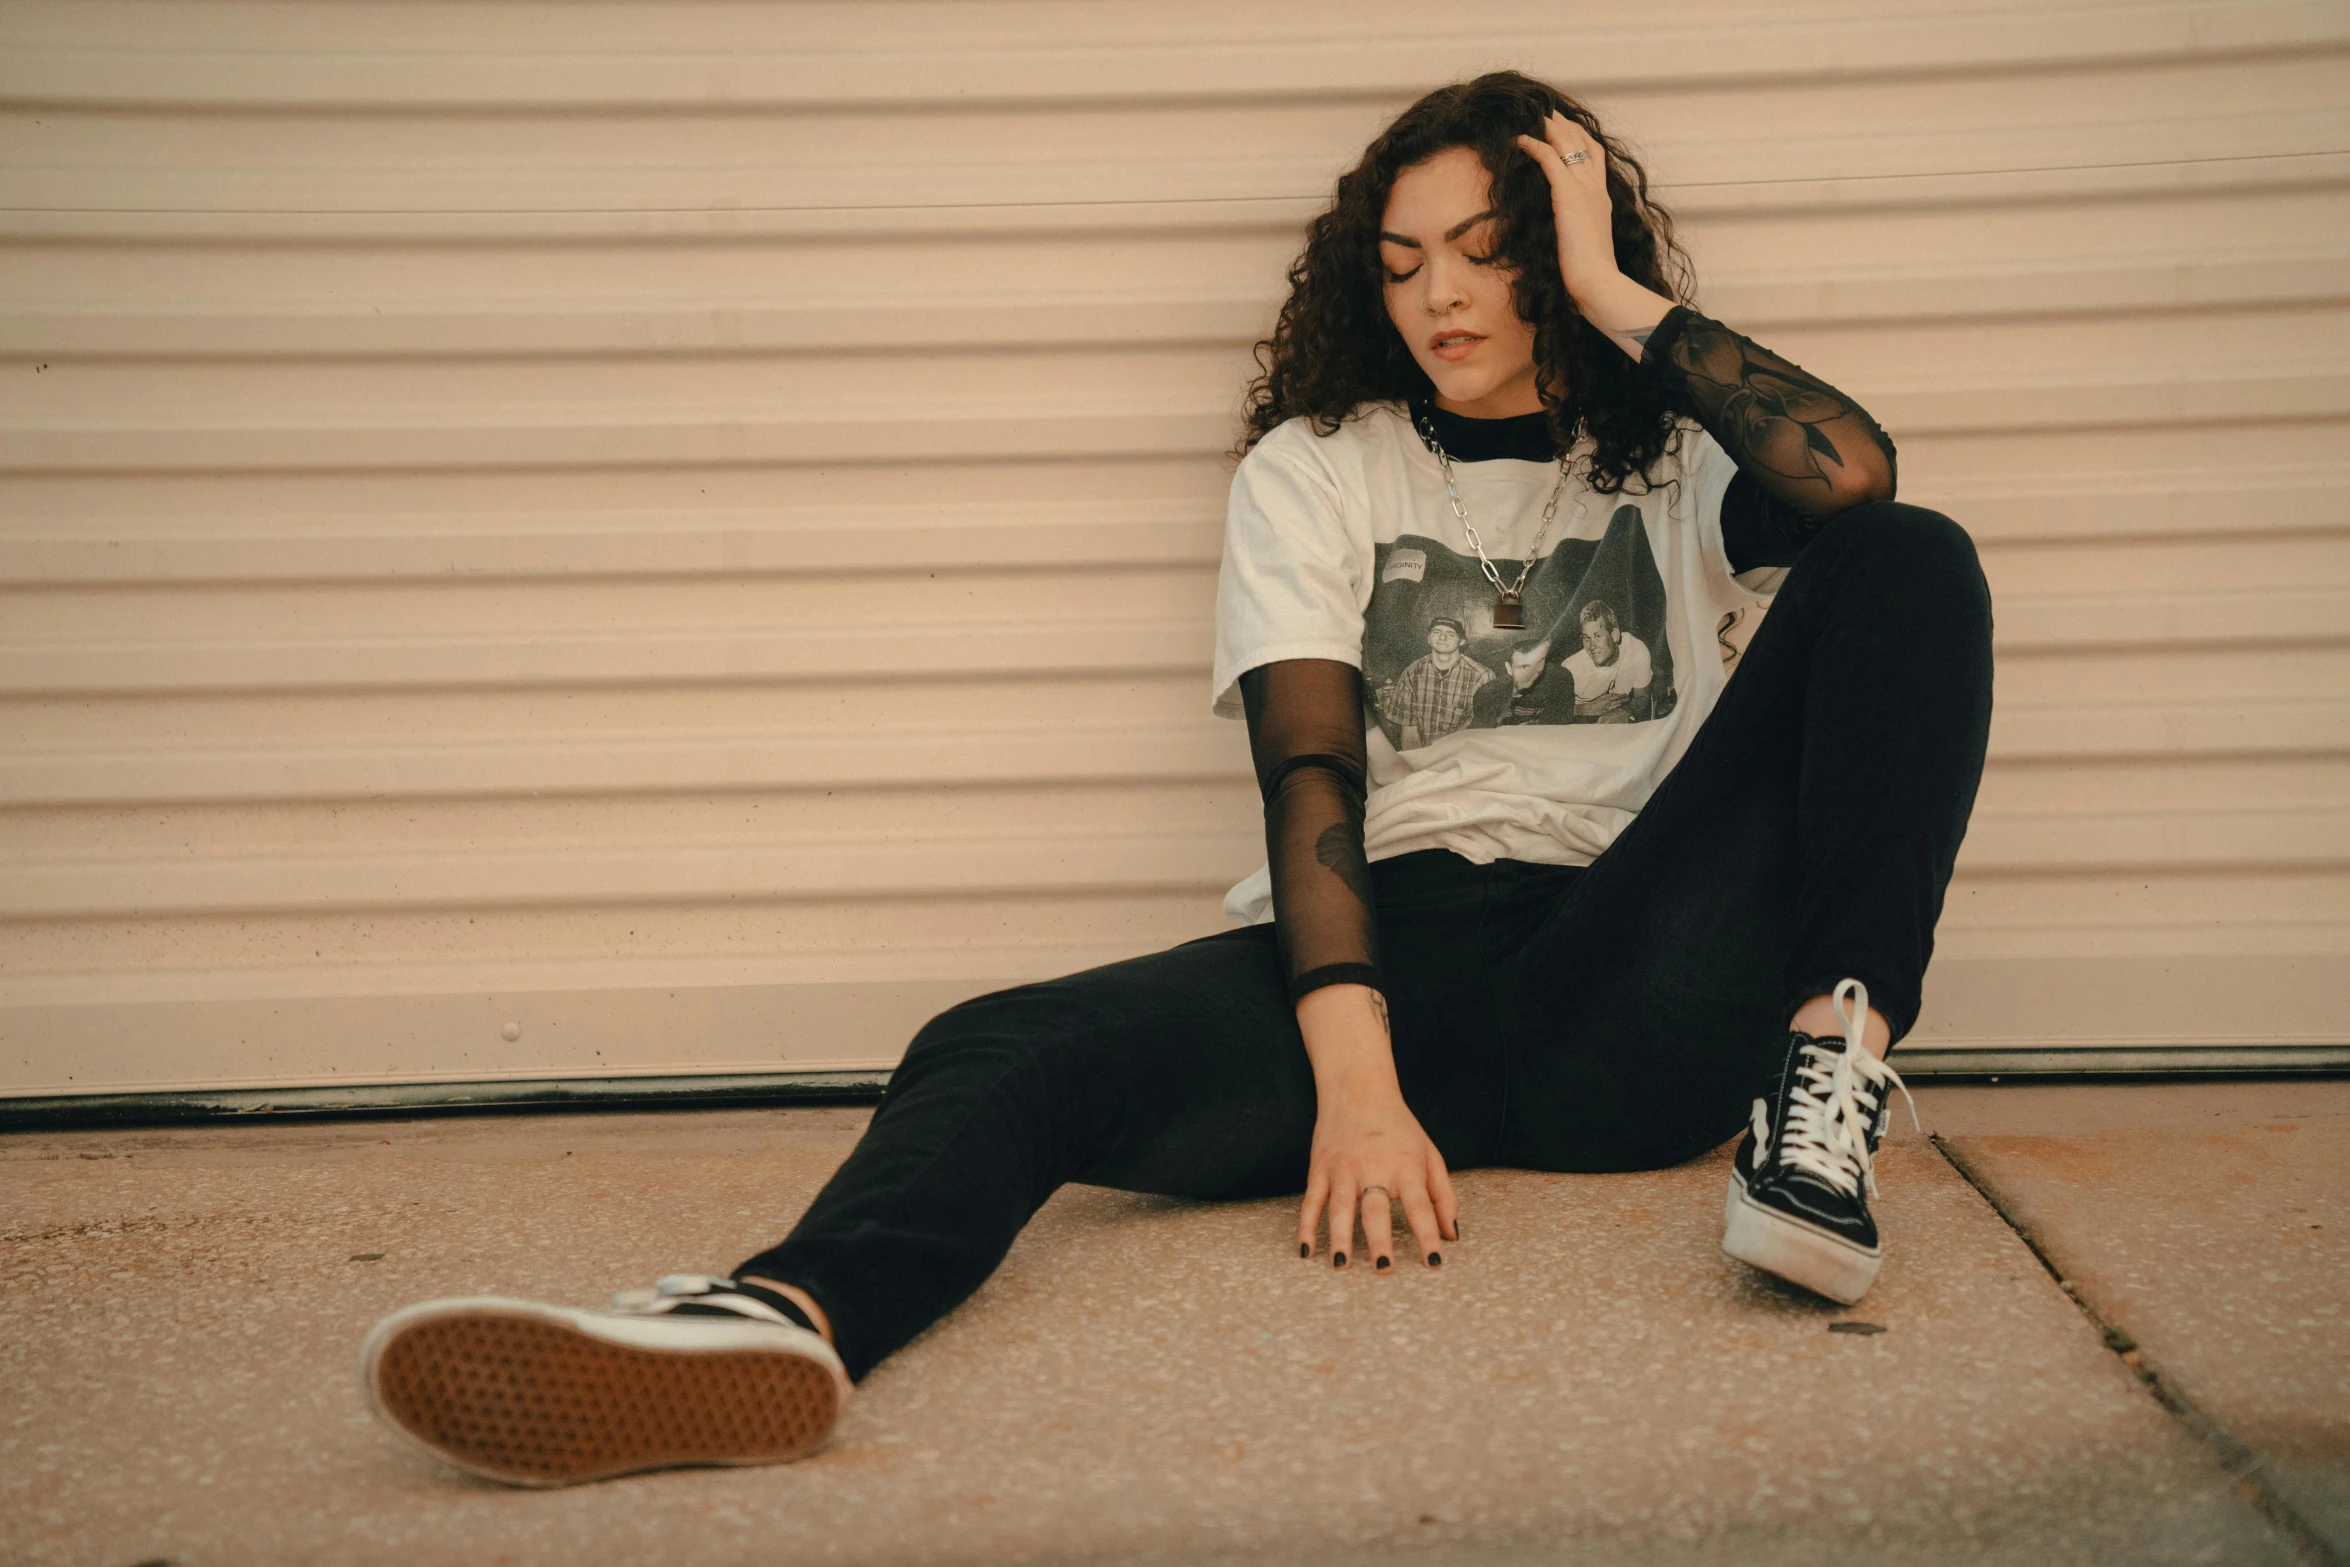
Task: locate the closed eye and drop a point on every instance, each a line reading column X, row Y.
column 1490, row 259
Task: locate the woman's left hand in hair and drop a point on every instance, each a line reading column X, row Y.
column 1584, row 213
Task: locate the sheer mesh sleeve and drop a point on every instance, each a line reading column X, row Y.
column 1811, row 450
column 1305, row 730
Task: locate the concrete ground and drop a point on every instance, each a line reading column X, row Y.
column 1586, row 1379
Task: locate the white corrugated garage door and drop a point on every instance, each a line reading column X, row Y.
column 641, row 540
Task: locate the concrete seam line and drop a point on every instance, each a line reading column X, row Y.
column 2242, row 1463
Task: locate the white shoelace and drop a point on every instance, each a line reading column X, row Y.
column 1827, row 1133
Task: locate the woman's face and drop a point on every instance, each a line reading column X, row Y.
column 1451, row 303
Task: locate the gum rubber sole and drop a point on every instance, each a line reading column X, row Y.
column 1767, row 1239
column 532, row 1401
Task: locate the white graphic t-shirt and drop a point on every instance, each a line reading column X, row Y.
column 1536, row 745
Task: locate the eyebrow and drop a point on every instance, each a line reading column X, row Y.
column 1450, row 234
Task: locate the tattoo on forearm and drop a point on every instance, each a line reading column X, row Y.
column 1379, row 1010
column 1339, row 850
column 1772, row 417
column 1642, row 336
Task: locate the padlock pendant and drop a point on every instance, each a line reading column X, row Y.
column 1509, row 613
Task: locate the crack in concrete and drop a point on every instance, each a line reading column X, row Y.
column 2242, row 1461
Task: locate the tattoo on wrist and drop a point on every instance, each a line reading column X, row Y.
column 1379, row 1010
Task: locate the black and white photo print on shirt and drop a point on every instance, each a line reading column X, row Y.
column 1594, row 650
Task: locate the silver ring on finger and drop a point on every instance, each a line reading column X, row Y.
column 1577, row 156
column 1381, row 1190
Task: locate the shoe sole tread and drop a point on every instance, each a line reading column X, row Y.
column 533, row 1401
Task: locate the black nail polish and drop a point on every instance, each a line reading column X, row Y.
column 1436, row 1259
column 1338, row 1259
column 1383, row 1264
column 1305, row 1248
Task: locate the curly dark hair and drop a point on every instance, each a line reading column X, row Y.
column 1334, row 349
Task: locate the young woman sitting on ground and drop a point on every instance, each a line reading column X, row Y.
column 1562, row 875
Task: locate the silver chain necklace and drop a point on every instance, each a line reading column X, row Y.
column 1509, row 606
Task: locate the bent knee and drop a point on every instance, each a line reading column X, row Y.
column 1911, row 531
column 1912, row 545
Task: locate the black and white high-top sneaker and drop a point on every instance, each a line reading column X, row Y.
column 695, row 1370
column 1805, row 1170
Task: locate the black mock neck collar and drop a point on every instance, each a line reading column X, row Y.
column 1525, row 437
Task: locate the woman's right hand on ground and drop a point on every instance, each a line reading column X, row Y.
column 1366, row 1137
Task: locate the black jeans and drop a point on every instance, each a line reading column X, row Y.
column 1611, row 1017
